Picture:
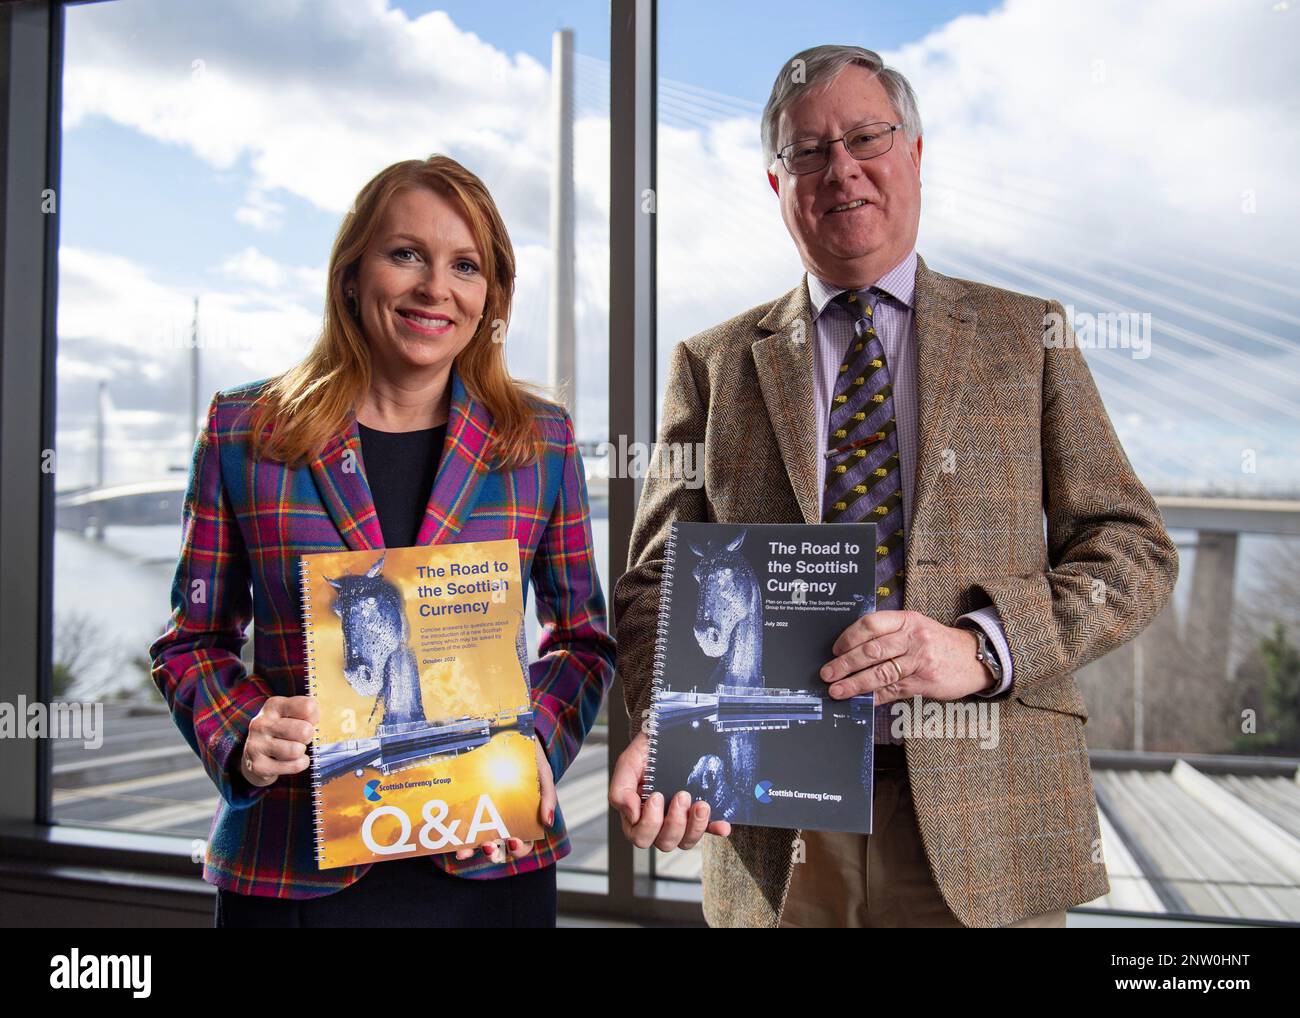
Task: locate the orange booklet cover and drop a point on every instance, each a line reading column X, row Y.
column 418, row 661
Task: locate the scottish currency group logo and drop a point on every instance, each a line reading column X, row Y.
column 765, row 793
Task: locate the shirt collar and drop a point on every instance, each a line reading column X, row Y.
column 899, row 282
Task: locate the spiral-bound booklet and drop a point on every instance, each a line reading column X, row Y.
column 418, row 661
column 740, row 716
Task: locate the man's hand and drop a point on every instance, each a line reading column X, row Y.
column 644, row 824
column 898, row 655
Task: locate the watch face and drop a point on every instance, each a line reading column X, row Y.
column 987, row 656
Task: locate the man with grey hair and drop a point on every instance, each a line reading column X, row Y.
column 879, row 390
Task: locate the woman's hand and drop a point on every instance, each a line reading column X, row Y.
column 546, row 813
column 278, row 739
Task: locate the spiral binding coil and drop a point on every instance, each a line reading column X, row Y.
column 661, row 652
column 309, row 652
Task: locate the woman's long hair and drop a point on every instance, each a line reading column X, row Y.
column 299, row 411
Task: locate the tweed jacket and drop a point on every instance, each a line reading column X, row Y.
column 1024, row 499
column 246, row 522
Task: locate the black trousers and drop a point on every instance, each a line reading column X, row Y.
column 405, row 893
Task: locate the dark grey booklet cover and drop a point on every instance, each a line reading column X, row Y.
column 740, row 716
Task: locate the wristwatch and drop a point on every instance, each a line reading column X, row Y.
column 986, row 655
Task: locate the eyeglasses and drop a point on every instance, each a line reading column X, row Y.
column 865, row 142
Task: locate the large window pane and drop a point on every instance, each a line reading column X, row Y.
column 209, row 153
column 1073, row 153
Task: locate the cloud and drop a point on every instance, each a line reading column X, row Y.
column 316, row 97
column 1120, row 127
column 259, row 211
column 118, row 324
column 254, row 267
column 116, row 303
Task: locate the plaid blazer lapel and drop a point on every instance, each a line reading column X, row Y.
column 944, row 329
column 343, row 488
column 340, row 477
column 466, row 458
column 784, row 362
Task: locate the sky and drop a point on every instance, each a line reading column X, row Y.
column 1117, row 157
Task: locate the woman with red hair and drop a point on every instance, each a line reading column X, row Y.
column 402, row 426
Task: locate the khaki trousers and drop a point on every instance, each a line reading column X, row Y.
column 881, row 879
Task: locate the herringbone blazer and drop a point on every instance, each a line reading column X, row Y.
column 1024, row 499
column 246, row 524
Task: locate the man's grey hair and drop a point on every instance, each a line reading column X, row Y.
column 816, row 68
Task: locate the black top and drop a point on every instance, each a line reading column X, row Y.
column 400, row 467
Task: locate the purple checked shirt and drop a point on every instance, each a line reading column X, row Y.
column 894, row 325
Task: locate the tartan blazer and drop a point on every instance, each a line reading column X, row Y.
column 1009, row 832
column 245, row 524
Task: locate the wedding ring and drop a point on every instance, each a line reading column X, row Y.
column 897, row 671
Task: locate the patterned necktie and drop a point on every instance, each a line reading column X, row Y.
column 863, row 479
